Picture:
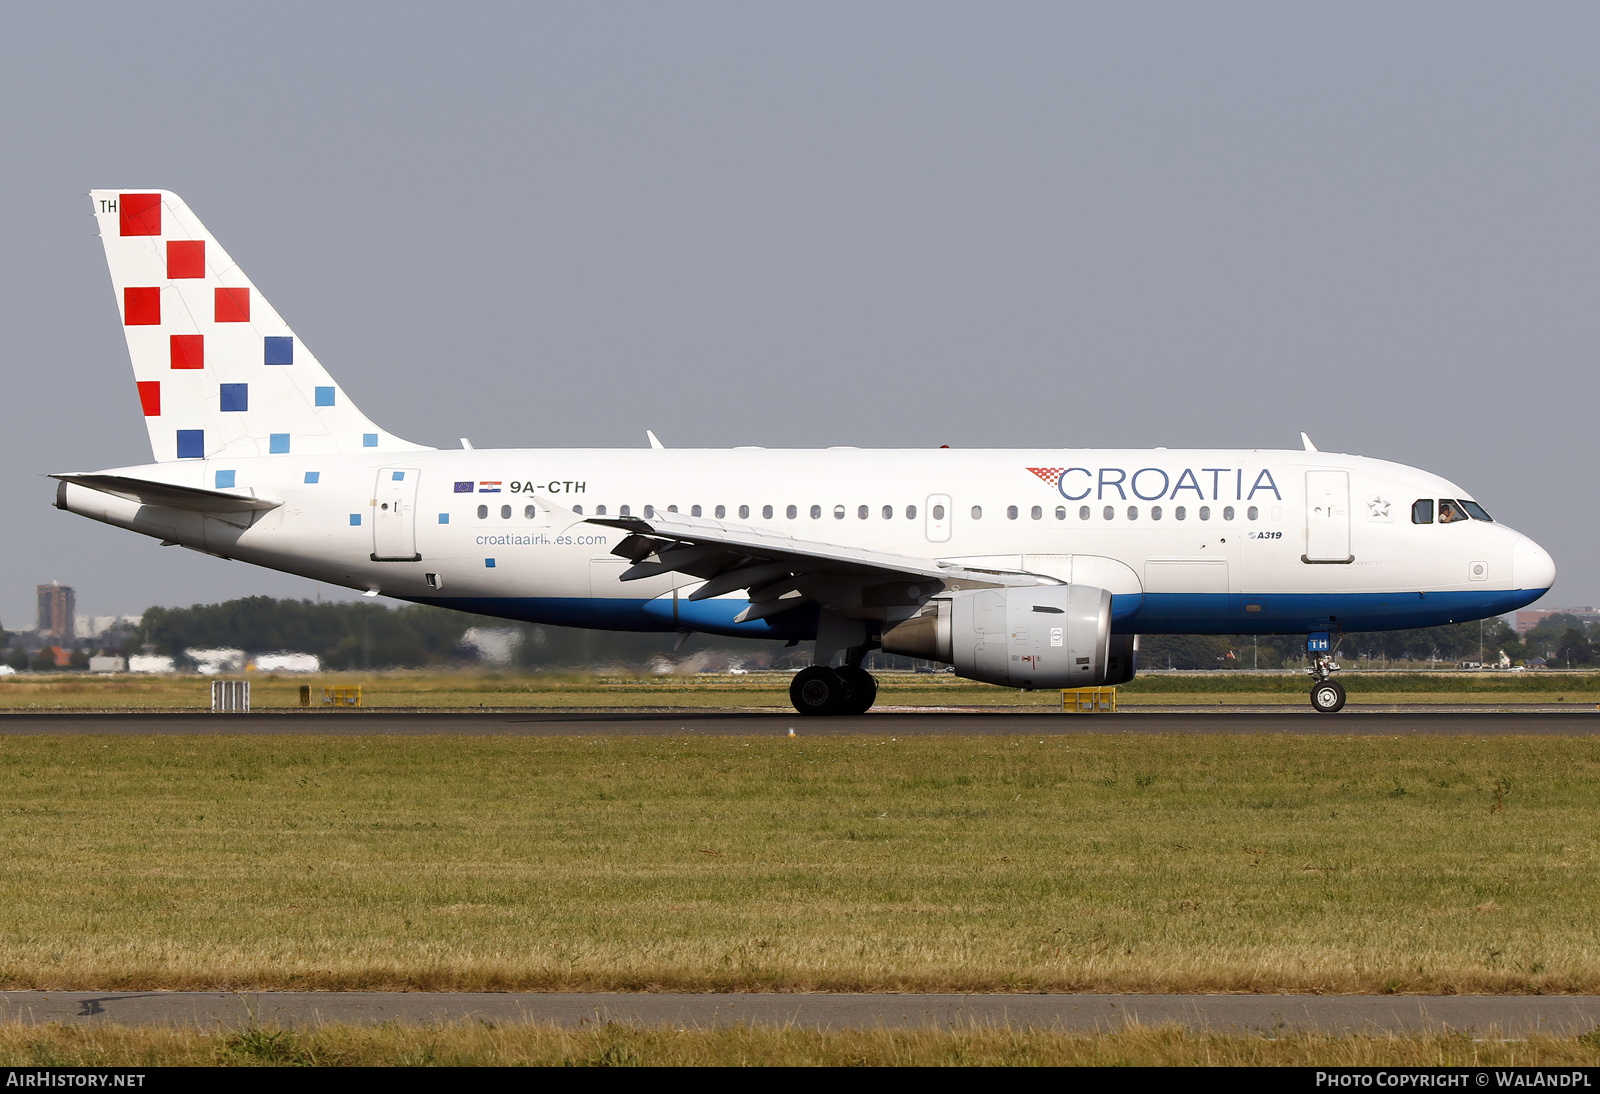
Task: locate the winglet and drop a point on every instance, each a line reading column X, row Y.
column 1307, row 442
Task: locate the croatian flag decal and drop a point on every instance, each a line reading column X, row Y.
column 489, row 487
column 463, row 488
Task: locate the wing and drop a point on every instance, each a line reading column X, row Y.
column 780, row 572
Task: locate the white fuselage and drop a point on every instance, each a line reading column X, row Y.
column 1186, row 541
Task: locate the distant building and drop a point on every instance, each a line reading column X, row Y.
column 94, row 626
column 284, row 661
column 150, row 663
column 1526, row 621
column 107, row 664
column 57, row 613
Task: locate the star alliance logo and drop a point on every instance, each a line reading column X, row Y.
column 1379, row 508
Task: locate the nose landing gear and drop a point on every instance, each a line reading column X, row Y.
column 1327, row 694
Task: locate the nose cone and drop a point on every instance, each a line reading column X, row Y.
column 1531, row 566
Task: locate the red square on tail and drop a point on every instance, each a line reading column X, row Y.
column 139, row 214
column 186, row 258
column 233, row 305
column 188, row 351
column 150, row 397
column 141, row 307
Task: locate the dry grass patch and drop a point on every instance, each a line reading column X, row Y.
column 623, row 1046
column 467, row 690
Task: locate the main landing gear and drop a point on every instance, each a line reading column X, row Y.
column 1327, row 694
column 821, row 690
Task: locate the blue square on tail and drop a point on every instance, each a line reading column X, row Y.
column 324, row 396
column 355, row 519
column 369, row 440
column 277, row 443
column 313, row 476
column 191, row 444
column 444, row 518
column 279, row 350
column 225, row 480
column 235, row 397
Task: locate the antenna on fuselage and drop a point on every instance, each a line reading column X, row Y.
column 655, row 442
column 1307, row 442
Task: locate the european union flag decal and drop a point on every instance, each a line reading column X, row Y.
column 463, row 488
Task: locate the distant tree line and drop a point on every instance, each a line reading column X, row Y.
column 357, row 635
column 1561, row 640
column 348, row 635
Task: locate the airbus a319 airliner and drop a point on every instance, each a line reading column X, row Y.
column 1027, row 568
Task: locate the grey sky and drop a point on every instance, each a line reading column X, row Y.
column 813, row 224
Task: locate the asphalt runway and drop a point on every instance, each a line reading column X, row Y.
column 1497, row 1015
column 1385, row 721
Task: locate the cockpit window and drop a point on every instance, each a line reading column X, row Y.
column 1422, row 511
column 1477, row 511
column 1450, row 511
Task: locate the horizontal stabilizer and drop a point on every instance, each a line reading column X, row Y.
column 146, row 492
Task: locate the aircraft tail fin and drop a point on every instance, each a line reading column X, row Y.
column 218, row 370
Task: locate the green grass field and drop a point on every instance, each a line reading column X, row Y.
column 1115, row 863
column 496, row 691
column 619, row 1046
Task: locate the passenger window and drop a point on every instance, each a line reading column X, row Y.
column 791, row 512
column 1422, row 511
column 720, row 511
column 578, row 509
column 599, row 510
column 938, row 512
column 861, row 512
column 625, row 511
column 1179, row 513
column 766, row 512
column 649, row 512
column 483, row 512
column 1036, row 513
column 1011, row 512
column 1476, row 511
column 1083, row 512
column 1155, row 512
column 1450, row 512
column 1110, row 513
column 1205, row 512
column 1133, row 512
column 977, row 512
column 694, row 510
column 888, row 512
column 672, row 508
column 911, row 512
column 744, row 512
column 1253, row 513
column 816, row 512
column 505, row 512
column 838, row 512
column 1227, row 512
column 528, row 512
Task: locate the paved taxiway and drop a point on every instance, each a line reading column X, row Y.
column 1506, row 1015
column 1381, row 721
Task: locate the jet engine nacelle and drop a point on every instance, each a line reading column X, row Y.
column 1045, row 637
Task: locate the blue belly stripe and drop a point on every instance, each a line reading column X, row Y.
column 1149, row 613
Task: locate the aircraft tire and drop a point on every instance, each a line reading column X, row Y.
column 817, row 690
column 1328, row 697
column 861, row 690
